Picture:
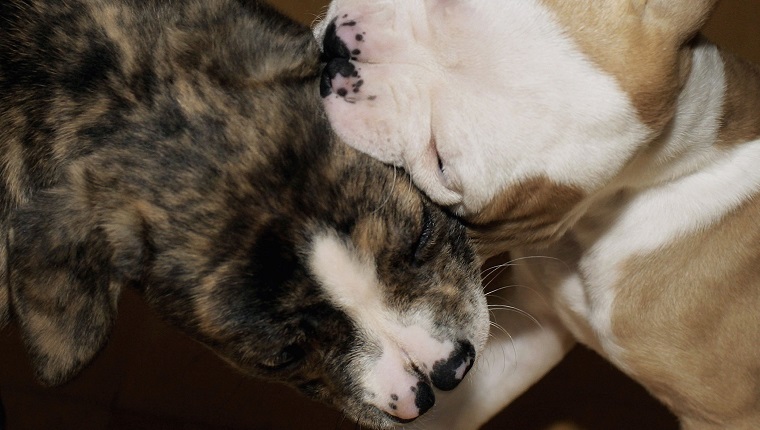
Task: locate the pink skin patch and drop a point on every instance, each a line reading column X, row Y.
column 402, row 393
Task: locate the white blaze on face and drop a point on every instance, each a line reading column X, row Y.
column 408, row 349
column 349, row 279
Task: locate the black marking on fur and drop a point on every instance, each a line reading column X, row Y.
column 272, row 263
column 183, row 151
column 92, row 69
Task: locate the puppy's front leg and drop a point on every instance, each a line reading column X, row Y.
column 527, row 340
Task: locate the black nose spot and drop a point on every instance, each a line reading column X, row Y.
column 424, row 398
column 335, row 67
column 332, row 46
column 444, row 375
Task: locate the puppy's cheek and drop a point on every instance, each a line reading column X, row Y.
column 381, row 110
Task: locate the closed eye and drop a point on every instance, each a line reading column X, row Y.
column 287, row 357
column 426, row 243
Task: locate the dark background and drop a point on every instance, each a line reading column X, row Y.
column 151, row 377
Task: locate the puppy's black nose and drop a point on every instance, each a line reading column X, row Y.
column 447, row 374
column 424, row 399
column 332, row 46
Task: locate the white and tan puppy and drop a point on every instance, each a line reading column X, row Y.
column 610, row 149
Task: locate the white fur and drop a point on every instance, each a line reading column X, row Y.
column 405, row 343
column 560, row 110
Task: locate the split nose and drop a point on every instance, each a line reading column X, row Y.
column 408, row 404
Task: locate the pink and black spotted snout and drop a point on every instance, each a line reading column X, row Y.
column 414, row 395
column 407, row 407
column 341, row 45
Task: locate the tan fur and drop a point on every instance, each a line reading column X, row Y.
column 530, row 212
column 741, row 107
column 645, row 58
column 688, row 319
column 684, row 320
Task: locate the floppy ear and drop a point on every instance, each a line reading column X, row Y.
column 63, row 291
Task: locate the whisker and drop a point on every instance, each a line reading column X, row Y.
column 390, row 193
column 513, row 262
column 319, row 17
column 493, row 293
column 488, row 283
column 494, row 271
column 493, row 274
column 516, row 310
column 493, row 268
column 503, row 351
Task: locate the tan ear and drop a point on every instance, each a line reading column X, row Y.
column 63, row 292
column 680, row 18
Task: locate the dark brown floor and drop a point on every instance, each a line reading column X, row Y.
column 150, row 377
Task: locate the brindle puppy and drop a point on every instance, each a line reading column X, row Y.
column 180, row 148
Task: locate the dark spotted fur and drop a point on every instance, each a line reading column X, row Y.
column 179, row 147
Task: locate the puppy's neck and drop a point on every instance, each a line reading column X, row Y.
column 690, row 141
column 704, row 163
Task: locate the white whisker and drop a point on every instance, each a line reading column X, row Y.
column 503, row 351
column 493, row 294
column 390, row 193
column 516, row 310
column 319, row 17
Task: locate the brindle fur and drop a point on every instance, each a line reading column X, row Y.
column 179, row 147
